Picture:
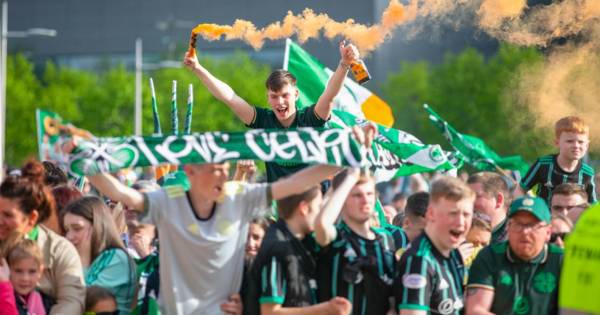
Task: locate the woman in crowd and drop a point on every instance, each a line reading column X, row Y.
column 24, row 202
column 89, row 226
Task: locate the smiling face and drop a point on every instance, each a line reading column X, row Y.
column 572, row 146
column 12, row 219
column 448, row 222
column 25, row 274
column 256, row 233
column 283, row 102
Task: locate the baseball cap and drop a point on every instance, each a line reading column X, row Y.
column 534, row 205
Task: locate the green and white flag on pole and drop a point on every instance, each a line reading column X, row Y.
column 475, row 151
column 395, row 152
column 304, row 145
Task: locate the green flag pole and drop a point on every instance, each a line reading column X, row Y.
column 174, row 119
column 157, row 129
column 187, row 129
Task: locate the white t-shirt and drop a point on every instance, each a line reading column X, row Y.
column 201, row 261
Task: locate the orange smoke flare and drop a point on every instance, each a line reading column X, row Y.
column 308, row 25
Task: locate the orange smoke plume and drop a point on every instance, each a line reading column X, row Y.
column 309, row 25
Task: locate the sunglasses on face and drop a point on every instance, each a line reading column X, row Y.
column 554, row 237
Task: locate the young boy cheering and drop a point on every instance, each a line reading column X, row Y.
column 572, row 140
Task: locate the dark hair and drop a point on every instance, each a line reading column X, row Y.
column 416, row 204
column 63, row 194
column 29, row 191
column 95, row 294
column 398, row 219
column 262, row 222
column 104, row 230
column 287, row 206
column 568, row 189
column 399, row 196
column 54, row 175
column 278, row 79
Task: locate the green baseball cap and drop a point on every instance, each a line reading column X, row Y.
column 534, row 205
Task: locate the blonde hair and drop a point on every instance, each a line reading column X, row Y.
column 25, row 249
column 450, row 188
column 571, row 124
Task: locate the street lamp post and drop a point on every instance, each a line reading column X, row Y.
column 4, row 34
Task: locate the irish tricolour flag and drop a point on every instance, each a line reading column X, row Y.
column 395, row 152
column 312, row 79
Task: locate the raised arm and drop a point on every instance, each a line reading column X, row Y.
column 348, row 53
column 220, row 90
column 301, row 181
column 111, row 187
column 325, row 231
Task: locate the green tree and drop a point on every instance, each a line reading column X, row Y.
column 473, row 94
column 103, row 102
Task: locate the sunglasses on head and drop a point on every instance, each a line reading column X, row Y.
column 554, row 236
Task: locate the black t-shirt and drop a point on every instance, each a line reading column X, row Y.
column 283, row 272
column 546, row 174
column 429, row 281
column 358, row 269
column 266, row 119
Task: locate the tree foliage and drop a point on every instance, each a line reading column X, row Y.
column 103, row 103
column 474, row 95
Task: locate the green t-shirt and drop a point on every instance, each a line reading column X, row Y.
column 266, row 119
column 519, row 287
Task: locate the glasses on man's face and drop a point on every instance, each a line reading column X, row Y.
column 554, row 236
column 532, row 227
column 559, row 208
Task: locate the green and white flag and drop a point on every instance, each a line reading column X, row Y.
column 303, row 145
column 475, row 151
column 52, row 132
column 395, row 152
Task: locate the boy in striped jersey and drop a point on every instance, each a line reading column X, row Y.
column 356, row 261
column 431, row 271
column 572, row 140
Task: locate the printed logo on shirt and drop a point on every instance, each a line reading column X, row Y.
column 544, row 282
column 193, row 228
column 446, row 306
column 444, row 284
column 521, row 305
column 224, row 227
column 506, row 280
column 414, row 281
column 350, row 253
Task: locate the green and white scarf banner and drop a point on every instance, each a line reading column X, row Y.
column 303, row 145
column 397, row 153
